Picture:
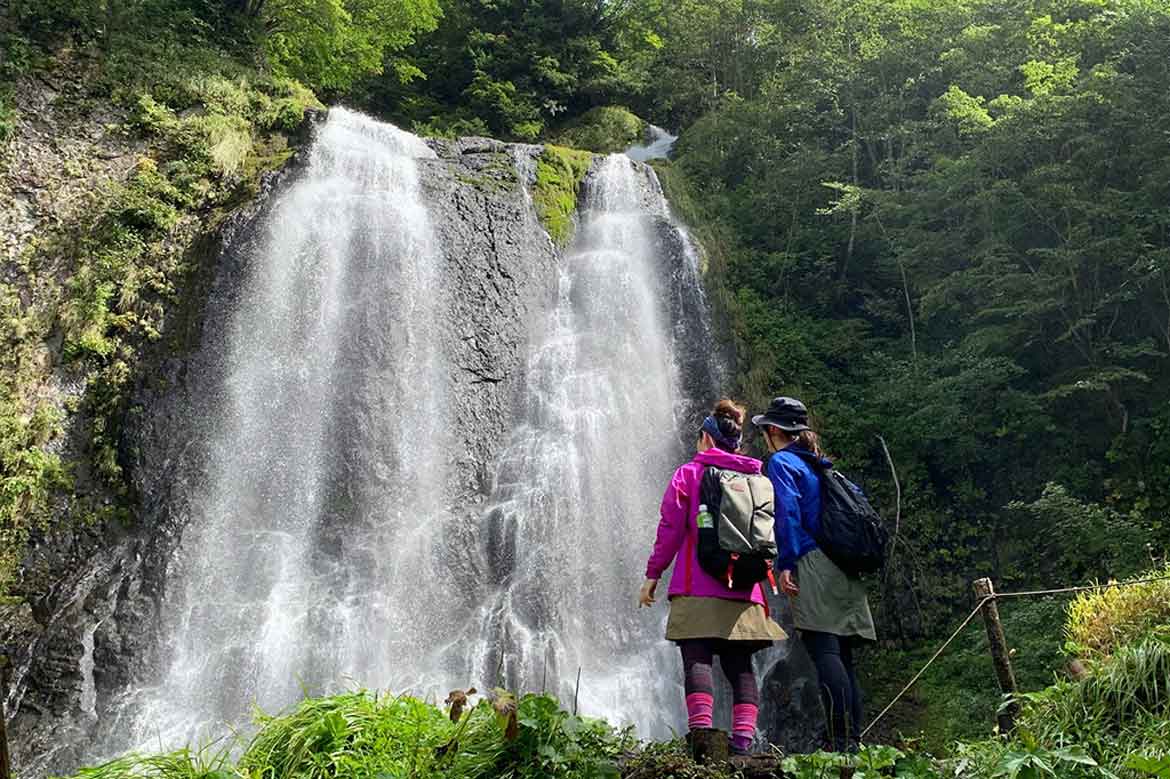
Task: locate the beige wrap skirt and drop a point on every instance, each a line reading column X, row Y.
column 721, row 618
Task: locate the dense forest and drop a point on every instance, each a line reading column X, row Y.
column 944, row 224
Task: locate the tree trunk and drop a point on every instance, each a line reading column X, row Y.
column 909, row 313
column 709, row 745
column 111, row 21
column 853, row 214
column 250, row 8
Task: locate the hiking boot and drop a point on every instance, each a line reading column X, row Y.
column 739, row 747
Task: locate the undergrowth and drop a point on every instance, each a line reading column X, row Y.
column 1113, row 723
column 1100, row 621
column 559, row 173
column 958, row 696
column 362, row 735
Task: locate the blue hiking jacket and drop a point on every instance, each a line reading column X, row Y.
column 798, row 505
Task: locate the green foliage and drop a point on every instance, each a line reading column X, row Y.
column 360, row 735
column 602, row 130
column 870, row 762
column 997, row 760
column 958, row 696
column 1112, row 718
column 327, row 44
column 936, row 226
column 331, row 44
column 1101, row 621
column 515, row 69
column 1149, row 766
column 181, row 764
column 559, row 173
column 1106, row 541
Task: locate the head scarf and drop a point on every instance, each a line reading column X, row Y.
column 711, row 427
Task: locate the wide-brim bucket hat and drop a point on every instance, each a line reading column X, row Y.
column 788, row 414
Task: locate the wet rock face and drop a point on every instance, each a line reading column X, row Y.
column 790, row 701
column 499, row 275
column 95, row 632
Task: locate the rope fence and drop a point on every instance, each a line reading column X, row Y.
column 989, row 599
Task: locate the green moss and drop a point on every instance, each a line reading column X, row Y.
column 8, row 115
column 603, row 130
column 29, row 472
column 559, row 173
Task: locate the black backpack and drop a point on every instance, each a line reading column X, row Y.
column 851, row 534
column 737, row 537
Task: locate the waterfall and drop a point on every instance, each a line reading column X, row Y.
column 658, row 145
column 331, row 416
column 326, row 546
column 576, row 494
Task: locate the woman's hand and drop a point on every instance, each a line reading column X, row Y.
column 646, row 596
column 788, row 584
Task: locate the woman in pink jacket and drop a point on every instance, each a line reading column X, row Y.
column 706, row 618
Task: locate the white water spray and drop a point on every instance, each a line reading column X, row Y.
column 312, row 543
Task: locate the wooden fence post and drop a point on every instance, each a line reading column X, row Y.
column 999, row 655
column 5, row 758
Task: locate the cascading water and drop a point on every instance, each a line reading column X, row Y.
column 325, row 548
column 331, row 416
column 578, row 486
column 658, row 145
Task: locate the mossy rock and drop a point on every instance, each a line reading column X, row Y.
column 559, row 173
column 603, row 130
column 120, row 268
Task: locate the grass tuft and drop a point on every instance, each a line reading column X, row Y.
column 1101, row 621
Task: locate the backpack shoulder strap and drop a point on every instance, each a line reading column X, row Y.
column 710, row 489
column 816, row 463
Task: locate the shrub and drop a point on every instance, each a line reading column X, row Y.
column 603, row 130
column 1101, row 621
column 1120, row 708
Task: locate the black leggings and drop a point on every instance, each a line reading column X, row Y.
column 735, row 658
column 840, row 692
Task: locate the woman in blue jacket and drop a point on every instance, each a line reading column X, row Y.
column 830, row 609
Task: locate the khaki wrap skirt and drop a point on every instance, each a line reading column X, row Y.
column 720, row 618
column 829, row 601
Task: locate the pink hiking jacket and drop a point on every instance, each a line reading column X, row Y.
column 678, row 534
